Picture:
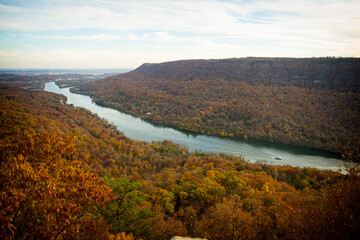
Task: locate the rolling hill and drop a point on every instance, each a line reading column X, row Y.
column 313, row 102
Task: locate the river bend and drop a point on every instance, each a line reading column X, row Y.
column 253, row 151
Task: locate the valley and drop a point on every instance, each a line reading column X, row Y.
column 302, row 102
column 74, row 172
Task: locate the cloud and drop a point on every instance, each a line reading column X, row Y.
column 99, row 37
column 201, row 17
column 31, row 46
column 151, row 36
column 168, row 29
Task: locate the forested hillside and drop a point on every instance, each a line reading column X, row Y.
column 312, row 102
column 67, row 174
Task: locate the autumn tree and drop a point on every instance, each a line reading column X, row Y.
column 227, row 220
column 44, row 193
column 127, row 212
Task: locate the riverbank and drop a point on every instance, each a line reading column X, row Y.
column 161, row 180
column 261, row 142
column 139, row 129
column 77, row 90
column 233, row 98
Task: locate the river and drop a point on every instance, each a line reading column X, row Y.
column 253, row 151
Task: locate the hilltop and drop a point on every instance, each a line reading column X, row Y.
column 333, row 73
column 311, row 102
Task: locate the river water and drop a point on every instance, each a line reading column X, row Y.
column 253, row 151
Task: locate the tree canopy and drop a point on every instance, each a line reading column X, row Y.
column 65, row 173
column 311, row 102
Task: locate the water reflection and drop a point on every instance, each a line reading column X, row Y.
column 253, row 151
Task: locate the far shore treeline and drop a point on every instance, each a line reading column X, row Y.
column 65, row 173
column 313, row 102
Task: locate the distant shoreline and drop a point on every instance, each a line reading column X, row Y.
column 64, row 70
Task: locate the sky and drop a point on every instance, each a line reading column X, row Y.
column 126, row 34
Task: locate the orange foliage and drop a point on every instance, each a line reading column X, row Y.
column 43, row 194
column 306, row 102
column 52, row 153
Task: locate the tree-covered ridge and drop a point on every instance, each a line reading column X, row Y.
column 52, row 154
column 306, row 102
column 332, row 73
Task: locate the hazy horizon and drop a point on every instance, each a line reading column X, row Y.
column 100, row 34
column 121, row 68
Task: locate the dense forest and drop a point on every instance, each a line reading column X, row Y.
column 65, row 173
column 313, row 102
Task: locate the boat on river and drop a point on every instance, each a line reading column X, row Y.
column 141, row 130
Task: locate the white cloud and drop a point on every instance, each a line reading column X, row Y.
column 201, row 17
column 192, row 16
column 30, row 46
column 99, row 37
column 169, row 30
